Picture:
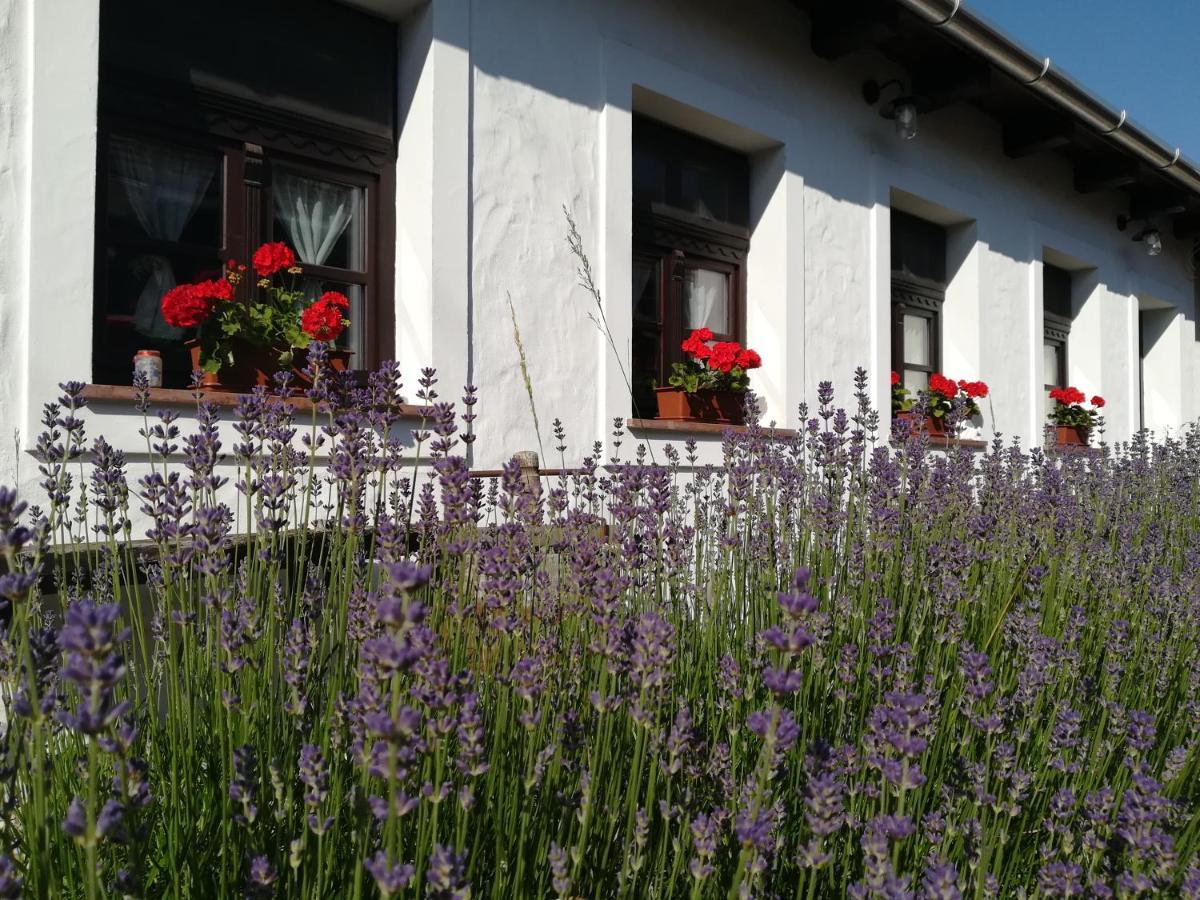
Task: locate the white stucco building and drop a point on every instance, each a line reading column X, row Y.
column 721, row 162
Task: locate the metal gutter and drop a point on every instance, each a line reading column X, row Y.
column 985, row 40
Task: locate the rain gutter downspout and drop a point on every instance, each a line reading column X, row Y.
column 984, row 40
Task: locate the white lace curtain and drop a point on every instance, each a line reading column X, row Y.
column 164, row 187
column 706, row 299
column 315, row 215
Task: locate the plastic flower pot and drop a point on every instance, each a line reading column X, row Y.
column 722, row 407
column 1070, row 436
column 252, row 366
column 934, row 425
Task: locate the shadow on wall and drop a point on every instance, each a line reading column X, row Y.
column 835, row 143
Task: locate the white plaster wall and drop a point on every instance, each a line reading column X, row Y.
column 15, row 78
column 512, row 109
column 49, row 99
column 550, row 109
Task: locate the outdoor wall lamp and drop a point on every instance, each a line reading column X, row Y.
column 902, row 110
column 1149, row 237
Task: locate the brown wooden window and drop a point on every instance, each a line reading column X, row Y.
column 690, row 240
column 1056, row 313
column 1056, row 327
column 207, row 151
column 918, row 292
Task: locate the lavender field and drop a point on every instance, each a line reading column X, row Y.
column 835, row 666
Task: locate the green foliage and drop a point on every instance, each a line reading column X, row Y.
column 694, row 375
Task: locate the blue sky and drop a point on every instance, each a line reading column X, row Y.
column 1140, row 55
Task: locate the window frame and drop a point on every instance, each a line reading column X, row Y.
column 911, row 295
column 253, row 139
column 1056, row 327
column 1056, row 333
column 678, row 238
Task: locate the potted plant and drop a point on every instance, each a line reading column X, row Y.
column 710, row 385
column 244, row 336
column 938, row 400
column 1073, row 423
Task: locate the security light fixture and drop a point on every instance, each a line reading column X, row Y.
column 906, row 120
column 1149, row 237
column 902, row 110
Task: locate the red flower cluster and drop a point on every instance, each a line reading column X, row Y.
column 749, row 359
column 724, row 356
column 325, row 319
column 1068, row 396
column 216, row 289
column 895, row 378
column 696, row 345
column 974, row 389
column 1098, row 402
column 270, row 258
column 940, row 384
column 189, row 305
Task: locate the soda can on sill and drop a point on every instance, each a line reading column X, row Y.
column 149, row 363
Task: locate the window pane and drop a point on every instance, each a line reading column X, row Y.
column 916, row 380
column 649, row 177
column 1056, row 291
column 647, row 369
column 163, row 193
column 917, row 340
column 132, row 320
column 322, row 220
column 352, row 337
column 1050, row 363
column 706, row 300
column 705, row 191
column 918, row 247
column 645, row 289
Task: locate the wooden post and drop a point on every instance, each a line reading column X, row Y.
column 530, row 471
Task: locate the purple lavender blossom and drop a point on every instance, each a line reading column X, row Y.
column 446, row 875
column 391, row 879
column 260, row 882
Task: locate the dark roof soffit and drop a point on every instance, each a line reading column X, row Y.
column 1108, row 150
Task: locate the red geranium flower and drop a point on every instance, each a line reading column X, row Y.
column 184, row 306
column 895, row 378
column 1068, row 396
column 940, row 384
column 724, row 356
column 695, row 345
column 270, row 258
column 748, row 359
column 1098, row 402
column 216, row 289
column 974, row 389
column 324, row 321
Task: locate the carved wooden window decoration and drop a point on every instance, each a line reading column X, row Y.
column 690, row 240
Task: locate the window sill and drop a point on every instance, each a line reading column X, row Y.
column 121, row 393
column 941, row 440
column 701, row 428
column 1072, row 450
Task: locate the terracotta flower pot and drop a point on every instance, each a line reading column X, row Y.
column 934, row 426
column 1071, row 436
column 723, row 407
column 252, row 366
column 338, row 361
